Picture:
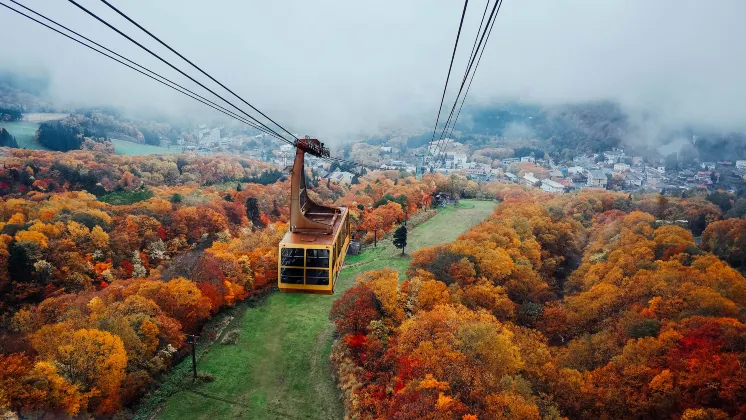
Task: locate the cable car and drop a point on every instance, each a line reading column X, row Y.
column 313, row 250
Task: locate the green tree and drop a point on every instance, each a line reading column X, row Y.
column 400, row 238
column 253, row 213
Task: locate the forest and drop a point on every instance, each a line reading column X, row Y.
column 6, row 139
column 586, row 305
column 10, row 114
column 97, row 291
column 578, row 306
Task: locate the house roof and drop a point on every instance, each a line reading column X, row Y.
column 596, row 173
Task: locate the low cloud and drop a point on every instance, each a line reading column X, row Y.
column 343, row 69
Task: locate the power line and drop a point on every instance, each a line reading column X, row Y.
column 171, row 65
column 472, row 75
column 473, row 52
column 136, row 64
column 190, row 94
column 487, row 31
column 173, row 85
column 450, row 66
column 468, row 68
column 192, row 64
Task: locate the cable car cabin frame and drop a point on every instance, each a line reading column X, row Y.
column 313, row 250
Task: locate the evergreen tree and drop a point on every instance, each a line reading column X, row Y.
column 253, row 213
column 239, row 187
column 6, row 140
column 400, row 238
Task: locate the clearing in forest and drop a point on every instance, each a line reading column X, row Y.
column 279, row 367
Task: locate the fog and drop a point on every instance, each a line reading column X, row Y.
column 339, row 69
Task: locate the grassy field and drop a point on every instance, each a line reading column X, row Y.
column 123, row 147
column 279, row 368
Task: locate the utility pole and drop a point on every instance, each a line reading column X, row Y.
column 192, row 339
column 375, row 237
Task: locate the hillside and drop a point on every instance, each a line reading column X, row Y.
column 284, row 342
column 533, row 315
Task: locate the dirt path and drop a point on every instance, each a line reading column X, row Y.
column 279, row 367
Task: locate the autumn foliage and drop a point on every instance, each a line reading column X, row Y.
column 96, row 296
column 578, row 306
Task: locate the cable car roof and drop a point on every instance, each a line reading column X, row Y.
column 301, row 239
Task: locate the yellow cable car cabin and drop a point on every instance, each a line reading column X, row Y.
column 314, row 248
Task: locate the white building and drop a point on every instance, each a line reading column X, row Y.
column 710, row 166
column 741, row 164
column 341, row 177
column 575, row 170
column 508, row 161
column 552, row 187
column 614, row 156
column 621, row 167
column 526, row 159
column 633, row 180
column 597, row 178
column 456, row 159
column 530, row 179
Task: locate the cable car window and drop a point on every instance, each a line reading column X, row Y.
column 292, row 256
column 317, row 277
column 291, row 275
column 317, row 258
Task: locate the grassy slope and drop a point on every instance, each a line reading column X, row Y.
column 279, row 368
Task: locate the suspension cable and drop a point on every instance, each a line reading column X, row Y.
column 193, row 65
column 170, row 65
column 448, row 76
column 184, row 91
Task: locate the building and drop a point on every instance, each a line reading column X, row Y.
column 552, row 187
column 621, row 167
column 386, row 149
column 708, row 166
column 478, row 174
column 509, row 161
column 555, row 173
column 597, row 179
column 637, row 160
column 528, row 159
column 511, row 177
column 703, row 175
column 634, row 180
column 456, row 160
column 614, row 156
column 341, row 177
column 530, row 180
column 740, row 164
column 575, row 170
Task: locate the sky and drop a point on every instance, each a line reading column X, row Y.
column 339, row 69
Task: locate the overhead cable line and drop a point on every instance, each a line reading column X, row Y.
column 471, row 55
column 172, row 66
column 487, row 31
column 472, row 77
column 184, row 91
column 448, row 76
column 469, row 66
column 188, row 61
column 173, row 85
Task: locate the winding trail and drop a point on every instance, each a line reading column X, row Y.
column 279, row 367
